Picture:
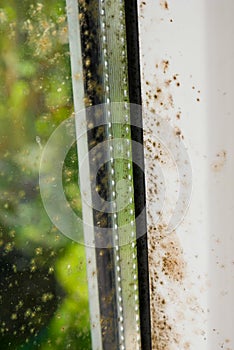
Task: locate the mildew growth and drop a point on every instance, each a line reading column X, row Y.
column 158, row 90
column 167, row 271
column 44, row 33
column 172, row 301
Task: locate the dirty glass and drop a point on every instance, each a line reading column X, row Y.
column 73, row 240
column 43, row 286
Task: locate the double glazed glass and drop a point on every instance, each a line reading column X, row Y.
column 70, row 258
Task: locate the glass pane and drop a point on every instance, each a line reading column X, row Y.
column 43, row 286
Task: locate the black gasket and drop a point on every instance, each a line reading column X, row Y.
column 134, row 79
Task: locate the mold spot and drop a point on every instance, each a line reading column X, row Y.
column 165, row 64
column 168, row 82
column 177, row 131
column 220, row 161
column 164, row 5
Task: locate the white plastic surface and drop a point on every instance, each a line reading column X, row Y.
column 187, row 51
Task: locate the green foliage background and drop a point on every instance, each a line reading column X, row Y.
column 43, row 287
